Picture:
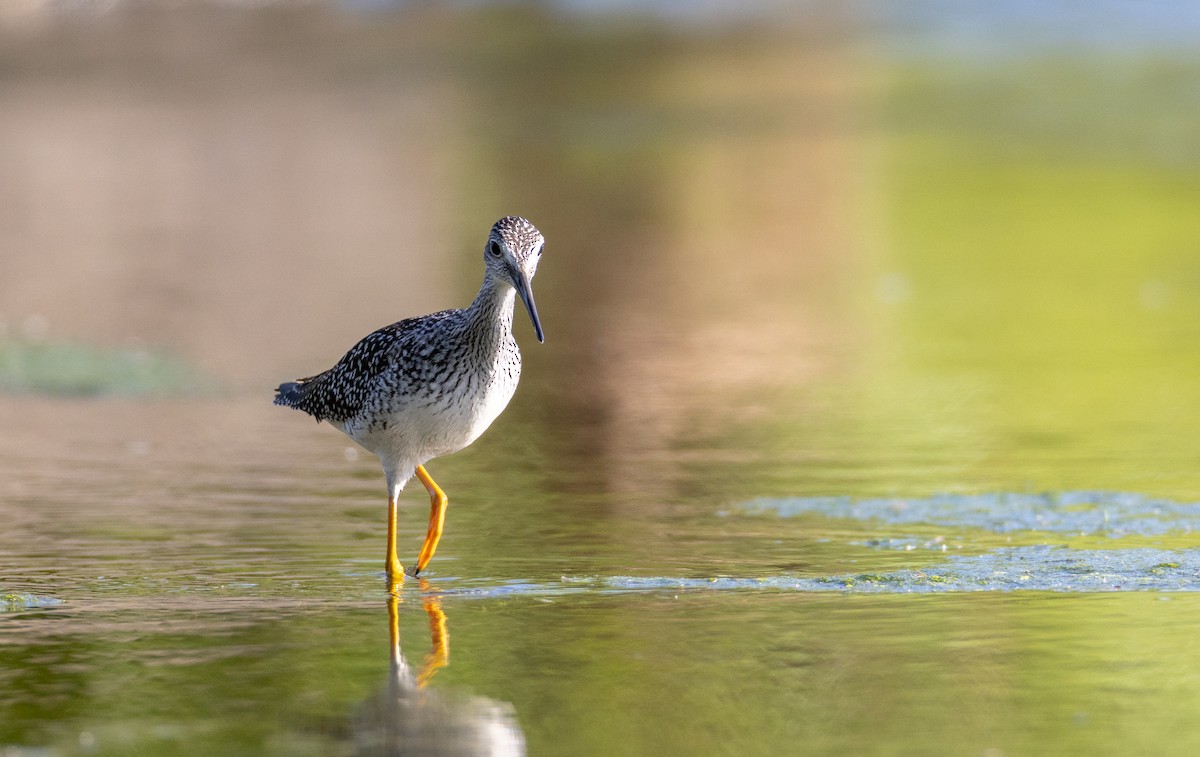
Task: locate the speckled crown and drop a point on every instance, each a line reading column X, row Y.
column 518, row 233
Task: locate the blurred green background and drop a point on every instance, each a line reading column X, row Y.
column 843, row 250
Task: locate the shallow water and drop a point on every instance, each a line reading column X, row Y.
column 865, row 422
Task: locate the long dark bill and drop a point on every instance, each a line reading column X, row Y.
column 525, row 292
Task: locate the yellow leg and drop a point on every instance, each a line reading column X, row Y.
column 395, row 571
column 437, row 517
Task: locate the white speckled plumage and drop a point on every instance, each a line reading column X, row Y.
column 429, row 386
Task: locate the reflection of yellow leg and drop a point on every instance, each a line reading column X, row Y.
column 439, row 656
column 394, row 628
column 437, row 517
column 395, row 571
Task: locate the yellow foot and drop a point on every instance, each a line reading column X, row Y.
column 395, row 575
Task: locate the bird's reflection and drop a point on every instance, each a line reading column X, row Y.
column 407, row 717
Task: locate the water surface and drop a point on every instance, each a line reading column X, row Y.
column 865, row 422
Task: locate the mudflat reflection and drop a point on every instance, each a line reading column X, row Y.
column 408, row 717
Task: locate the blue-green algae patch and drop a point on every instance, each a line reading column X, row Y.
column 1113, row 514
column 14, row 602
column 72, row 369
column 1047, row 568
column 1036, row 568
column 1075, row 541
column 1042, row 568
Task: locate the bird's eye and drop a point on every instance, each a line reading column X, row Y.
column 494, row 248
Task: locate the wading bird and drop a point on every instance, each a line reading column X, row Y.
column 429, row 386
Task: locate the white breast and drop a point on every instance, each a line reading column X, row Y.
column 427, row 427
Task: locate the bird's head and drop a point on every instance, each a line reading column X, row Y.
column 512, row 252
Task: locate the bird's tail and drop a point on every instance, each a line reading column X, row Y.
column 291, row 394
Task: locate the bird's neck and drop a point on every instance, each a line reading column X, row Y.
column 492, row 310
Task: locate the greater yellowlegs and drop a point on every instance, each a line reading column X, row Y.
column 429, row 386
